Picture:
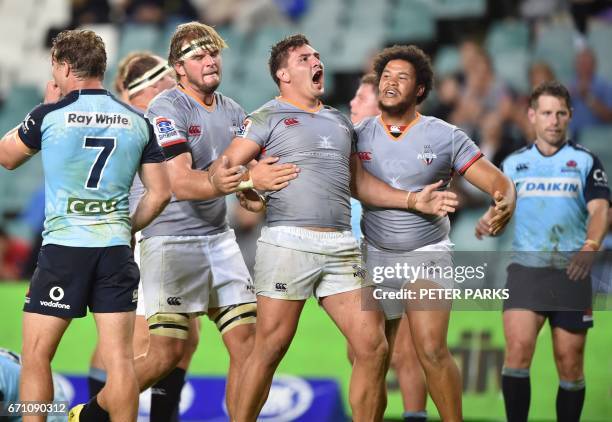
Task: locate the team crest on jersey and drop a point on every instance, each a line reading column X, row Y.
column 571, row 167
column 244, row 128
column 427, row 156
column 522, row 167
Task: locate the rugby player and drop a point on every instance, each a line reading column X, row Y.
column 563, row 201
column 307, row 247
column 403, row 357
column 143, row 77
column 365, row 102
column 190, row 261
column 409, row 151
column 92, row 146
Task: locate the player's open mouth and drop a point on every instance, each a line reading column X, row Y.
column 390, row 93
column 317, row 78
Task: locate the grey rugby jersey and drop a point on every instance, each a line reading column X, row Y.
column 179, row 119
column 429, row 150
column 320, row 143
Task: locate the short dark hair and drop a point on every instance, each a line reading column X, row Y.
column 280, row 53
column 413, row 55
column 83, row 50
column 552, row 88
column 369, row 79
column 137, row 67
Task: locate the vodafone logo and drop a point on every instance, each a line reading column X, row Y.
column 365, row 155
column 56, row 293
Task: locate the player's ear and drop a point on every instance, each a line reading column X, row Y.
column 283, row 75
column 179, row 68
column 67, row 69
column 420, row 91
column 531, row 114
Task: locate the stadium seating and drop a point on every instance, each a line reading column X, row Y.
column 554, row 44
column 600, row 34
column 598, row 139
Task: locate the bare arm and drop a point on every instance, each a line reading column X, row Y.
column 597, row 227
column 373, row 191
column 265, row 175
column 13, row 152
column 598, row 220
column 488, row 178
column 157, row 194
column 188, row 183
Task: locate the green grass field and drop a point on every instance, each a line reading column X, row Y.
column 476, row 339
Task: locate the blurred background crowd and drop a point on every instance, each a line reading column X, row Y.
column 487, row 55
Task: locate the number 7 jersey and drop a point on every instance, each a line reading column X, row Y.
column 91, row 145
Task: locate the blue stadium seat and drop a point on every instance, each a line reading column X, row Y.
column 509, row 35
column 555, row 45
column 453, row 9
column 512, row 67
column 140, row 37
column 447, row 60
column 411, row 20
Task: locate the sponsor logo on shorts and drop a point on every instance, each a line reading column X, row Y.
column 174, row 300
column 359, row 271
column 135, row 296
column 587, row 316
column 280, row 287
column 95, row 119
column 56, row 293
column 91, row 206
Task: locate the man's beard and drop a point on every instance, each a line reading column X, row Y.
column 399, row 108
column 205, row 89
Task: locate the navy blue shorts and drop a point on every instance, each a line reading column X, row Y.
column 549, row 292
column 67, row 280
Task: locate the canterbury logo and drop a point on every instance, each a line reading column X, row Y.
column 174, row 300
column 280, row 287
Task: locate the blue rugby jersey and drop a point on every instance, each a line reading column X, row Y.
column 552, row 194
column 91, row 145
